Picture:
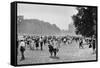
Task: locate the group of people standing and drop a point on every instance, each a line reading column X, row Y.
column 53, row 43
column 91, row 42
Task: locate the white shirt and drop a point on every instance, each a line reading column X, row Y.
column 64, row 39
column 22, row 43
column 55, row 45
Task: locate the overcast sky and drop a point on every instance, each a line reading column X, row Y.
column 59, row 15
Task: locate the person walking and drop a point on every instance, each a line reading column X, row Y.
column 41, row 43
column 22, row 49
column 37, row 43
column 80, row 44
column 93, row 44
column 50, row 48
column 56, row 48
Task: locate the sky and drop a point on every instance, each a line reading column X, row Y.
column 59, row 15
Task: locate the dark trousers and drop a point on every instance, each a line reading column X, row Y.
column 41, row 44
column 22, row 55
column 22, row 50
column 53, row 51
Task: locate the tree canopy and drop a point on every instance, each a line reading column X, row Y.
column 85, row 21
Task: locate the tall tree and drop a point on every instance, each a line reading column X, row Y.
column 85, row 21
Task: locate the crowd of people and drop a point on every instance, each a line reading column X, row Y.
column 34, row 42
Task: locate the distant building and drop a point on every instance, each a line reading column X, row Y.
column 20, row 19
column 70, row 31
column 71, row 28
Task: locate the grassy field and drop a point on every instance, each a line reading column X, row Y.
column 67, row 53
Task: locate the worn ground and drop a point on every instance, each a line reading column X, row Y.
column 67, row 53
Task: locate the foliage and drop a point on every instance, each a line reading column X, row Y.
column 85, row 21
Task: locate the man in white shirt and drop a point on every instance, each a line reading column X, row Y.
column 22, row 49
